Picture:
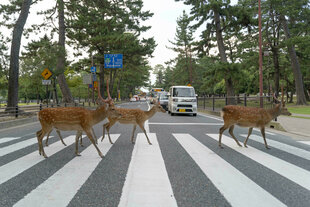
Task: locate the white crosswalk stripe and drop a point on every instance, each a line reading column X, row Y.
column 146, row 181
column 68, row 179
column 284, row 147
column 232, row 183
column 17, row 166
column 288, row 170
column 8, row 139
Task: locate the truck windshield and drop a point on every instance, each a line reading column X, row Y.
column 183, row 92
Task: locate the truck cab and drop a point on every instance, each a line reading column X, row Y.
column 182, row 100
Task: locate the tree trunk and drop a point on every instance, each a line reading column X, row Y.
column 14, row 56
column 101, row 76
column 66, row 93
column 276, row 65
column 221, row 47
column 300, row 92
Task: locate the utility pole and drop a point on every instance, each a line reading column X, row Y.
column 261, row 101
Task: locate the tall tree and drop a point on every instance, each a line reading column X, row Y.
column 183, row 42
column 217, row 13
column 24, row 8
column 61, row 60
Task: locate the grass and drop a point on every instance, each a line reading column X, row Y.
column 299, row 109
column 302, row 117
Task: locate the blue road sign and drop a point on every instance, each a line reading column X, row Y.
column 93, row 69
column 113, row 60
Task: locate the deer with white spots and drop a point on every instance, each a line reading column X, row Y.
column 132, row 116
column 250, row 117
column 74, row 119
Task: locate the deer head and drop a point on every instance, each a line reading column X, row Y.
column 158, row 108
column 281, row 104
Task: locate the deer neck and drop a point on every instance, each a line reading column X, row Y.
column 98, row 115
column 150, row 113
column 274, row 112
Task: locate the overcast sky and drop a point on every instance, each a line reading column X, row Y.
column 163, row 24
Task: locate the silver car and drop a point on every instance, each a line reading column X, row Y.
column 163, row 100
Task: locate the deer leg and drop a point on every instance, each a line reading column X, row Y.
column 249, row 133
column 231, row 129
column 104, row 127
column 78, row 134
column 96, row 139
column 222, row 129
column 40, row 135
column 108, row 126
column 58, row 132
column 142, row 127
column 262, row 130
column 80, row 137
column 90, row 136
column 133, row 133
column 46, row 142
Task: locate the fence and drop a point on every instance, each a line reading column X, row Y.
column 215, row 103
column 30, row 110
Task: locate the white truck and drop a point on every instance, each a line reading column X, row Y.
column 182, row 100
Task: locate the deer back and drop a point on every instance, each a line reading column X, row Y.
column 245, row 116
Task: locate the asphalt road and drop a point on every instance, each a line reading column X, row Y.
column 183, row 167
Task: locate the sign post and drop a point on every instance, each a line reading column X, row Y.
column 46, row 75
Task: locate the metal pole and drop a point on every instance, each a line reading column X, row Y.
column 260, row 56
column 92, row 80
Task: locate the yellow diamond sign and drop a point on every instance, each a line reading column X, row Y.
column 46, row 73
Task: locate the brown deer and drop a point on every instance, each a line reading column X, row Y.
column 74, row 118
column 132, row 116
column 249, row 117
column 61, row 139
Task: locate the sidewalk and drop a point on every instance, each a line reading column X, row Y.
column 299, row 128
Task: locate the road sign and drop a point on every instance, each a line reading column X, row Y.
column 46, row 73
column 87, row 79
column 113, row 60
column 94, row 77
column 46, row 82
column 93, row 69
column 95, row 84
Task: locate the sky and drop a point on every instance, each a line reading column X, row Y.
column 163, row 25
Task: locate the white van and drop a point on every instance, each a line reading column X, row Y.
column 182, row 100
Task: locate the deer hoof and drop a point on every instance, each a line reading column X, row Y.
column 245, row 146
column 267, row 147
column 221, row 147
column 77, row 154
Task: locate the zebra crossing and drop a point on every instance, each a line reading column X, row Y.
column 260, row 178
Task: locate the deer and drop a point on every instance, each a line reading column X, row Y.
column 250, row 117
column 61, row 139
column 74, row 118
column 132, row 116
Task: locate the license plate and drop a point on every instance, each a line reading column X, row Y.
column 181, row 110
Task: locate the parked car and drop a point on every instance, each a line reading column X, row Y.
column 163, row 100
column 133, row 99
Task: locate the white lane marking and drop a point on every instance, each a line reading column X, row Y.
column 265, row 132
column 60, row 188
column 17, row 146
column 305, row 142
column 7, row 139
column 211, row 124
column 147, row 182
column 288, row 170
column 16, row 167
column 146, row 123
column 284, row 147
column 230, row 182
column 211, row 117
